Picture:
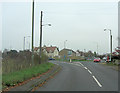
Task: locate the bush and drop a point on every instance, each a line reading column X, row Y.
column 15, row 61
column 16, row 77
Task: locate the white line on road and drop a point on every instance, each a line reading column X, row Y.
column 97, row 81
column 81, row 64
column 85, row 67
column 89, row 71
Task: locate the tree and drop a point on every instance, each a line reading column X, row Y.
column 95, row 54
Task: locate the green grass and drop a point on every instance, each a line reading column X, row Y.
column 111, row 64
column 19, row 76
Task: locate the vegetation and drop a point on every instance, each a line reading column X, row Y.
column 111, row 64
column 13, row 78
column 18, row 66
column 15, row 61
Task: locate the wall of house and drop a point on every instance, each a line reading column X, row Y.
column 50, row 54
column 63, row 54
column 56, row 52
column 66, row 54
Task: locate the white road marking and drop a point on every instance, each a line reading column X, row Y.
column 89, row 71
column 85, row 67
column 97, row 81
column 81, row 64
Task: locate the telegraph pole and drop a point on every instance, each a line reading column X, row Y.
column 97, row 48
column 110, row 43
column 110, row 46
column 40, row 36
column 33, row 33
column 24, row 44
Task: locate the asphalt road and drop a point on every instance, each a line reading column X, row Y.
column 82, row 76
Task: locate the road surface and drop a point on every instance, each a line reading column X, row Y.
column 82, row 76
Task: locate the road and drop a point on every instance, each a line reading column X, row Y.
column 82, row 76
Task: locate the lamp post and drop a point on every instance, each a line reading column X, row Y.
column 41, row 34
column 65, row 44
column 24, row 42
column 110, row 42
column 96, row 47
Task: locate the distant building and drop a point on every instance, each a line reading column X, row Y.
column 67, row 54
column 51, row 51
column 79, row 53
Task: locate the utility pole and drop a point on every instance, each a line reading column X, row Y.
column 65, row 44
column 40, row 36
column 24, row 44
column 33, row 33
column 84, row 52
column 111, row 46
column 97, row 48
column 110, row 43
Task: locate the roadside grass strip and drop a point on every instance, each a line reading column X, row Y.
column 14, row 78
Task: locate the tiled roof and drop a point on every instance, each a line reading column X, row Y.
column 52, row 49
column 36, row 48
column 48, row 49
column 69, row 50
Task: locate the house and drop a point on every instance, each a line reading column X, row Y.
column 51, row 51
column 79, row 53
column 67, row 54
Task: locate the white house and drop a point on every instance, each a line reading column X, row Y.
column 51, row 51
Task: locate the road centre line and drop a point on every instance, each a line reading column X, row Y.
column 81, row 64
column 85, row 67
column 92, row 76
column 89, row 71
column 97, row 81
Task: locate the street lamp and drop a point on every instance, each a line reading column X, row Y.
column 41, row 34
column 46, row 24
column 96, row 47
column 110, row 42
column 65, row 44
column 24, row 42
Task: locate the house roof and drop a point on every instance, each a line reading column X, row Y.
column 52, row 49
column 36, row 48
column 48, row 49
column 69, row 50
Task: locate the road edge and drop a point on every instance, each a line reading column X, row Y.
column 45, row 78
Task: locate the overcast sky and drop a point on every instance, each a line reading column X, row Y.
column 80, row 23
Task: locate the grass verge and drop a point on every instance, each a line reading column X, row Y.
column 16, row 77
column 111, row 64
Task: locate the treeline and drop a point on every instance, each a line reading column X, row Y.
column 15, row 61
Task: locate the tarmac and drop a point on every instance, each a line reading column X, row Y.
column 32, row 84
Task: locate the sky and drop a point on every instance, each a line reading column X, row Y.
column 80, row 23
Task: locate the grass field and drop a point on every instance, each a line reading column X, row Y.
column 14, row 78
